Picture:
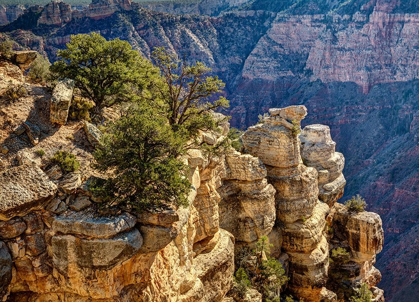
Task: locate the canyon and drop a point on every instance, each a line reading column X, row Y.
column 353, row 64
column 55, row 245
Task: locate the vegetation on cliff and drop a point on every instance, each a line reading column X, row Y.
column 104, row 71
column 165, row 109
column 258, row 270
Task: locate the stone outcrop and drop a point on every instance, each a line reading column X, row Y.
column 247, row 209
column 61, row 101
column 275, row 141
column 93, row 133
column 55, row 13
column 24, row 58
column 23, row 189
column 318, row 151
column 361, row 234
column 55, row 246
column 306, row 173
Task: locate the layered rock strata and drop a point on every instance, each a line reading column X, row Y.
column 318, row 151
column 306, row 173
column 300, row 213
column 55, row 246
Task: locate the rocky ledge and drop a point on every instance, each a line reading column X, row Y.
column 284, row 185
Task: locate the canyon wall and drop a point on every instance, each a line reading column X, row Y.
column 56, row 245
column 353, row 64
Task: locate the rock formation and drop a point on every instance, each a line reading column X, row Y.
column 61, row 101
column 10, row 13
column 301, row 215
column 55, row 246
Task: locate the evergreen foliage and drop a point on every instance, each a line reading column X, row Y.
column 242, row 282
column 356, row 204
column 340, row 255
column 362, row 295
column 267, row 274
column 39, row 71
column 6, row 47
column 14, row 92
column 67, row 161
column 141, row 151
column 187, row 93
column 104, row 71
column 80, row 108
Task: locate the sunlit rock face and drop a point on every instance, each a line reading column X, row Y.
column 56, row 246
column 306, row 173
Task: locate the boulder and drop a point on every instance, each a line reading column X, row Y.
column 12, row 228
column 318, row 151
column 276, row 146
column 327, row 295
column 304, row 235
column 86, row 224
column 244, row 167
column 247, row 210
column 309, row 271
column 33, row 132
column 296, row 195
column 216, row 267
column 163, row 216
column 363, row 232
column 23, row 189
column 93, row 133
column 80, row 203
column 70, row 182
column 69, row 251
column 156, row 237
column 24, row 58
column 61, row 101
column 290, row 113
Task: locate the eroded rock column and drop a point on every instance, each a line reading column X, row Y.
column 300, row 215
column 318, row 151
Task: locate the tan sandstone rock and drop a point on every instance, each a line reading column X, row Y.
column 61, row 101
column 23, row 189
column 318, row 151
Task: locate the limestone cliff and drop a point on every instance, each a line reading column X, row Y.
column 54, row 246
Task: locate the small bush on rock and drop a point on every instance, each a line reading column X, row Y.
column 356, row 204
column 362, row 295
column 40, row 152
column 39, row 71
column 6, row 48
column 80, row 108
column 140, row 153
column 14, row 93
column 67, row 161
column 242, row 282
column 340, row 255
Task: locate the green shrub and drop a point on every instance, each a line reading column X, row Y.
column 14, row 93
column 296, row 128
column 6, row 48
column 362, row 295
column 80, row 108
column 242, row 282
column 39, row 71
column 140, row 152
column 340, row 255
column 40, row 152
column 235, row 138
column 67, row 161
column 356, row 204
